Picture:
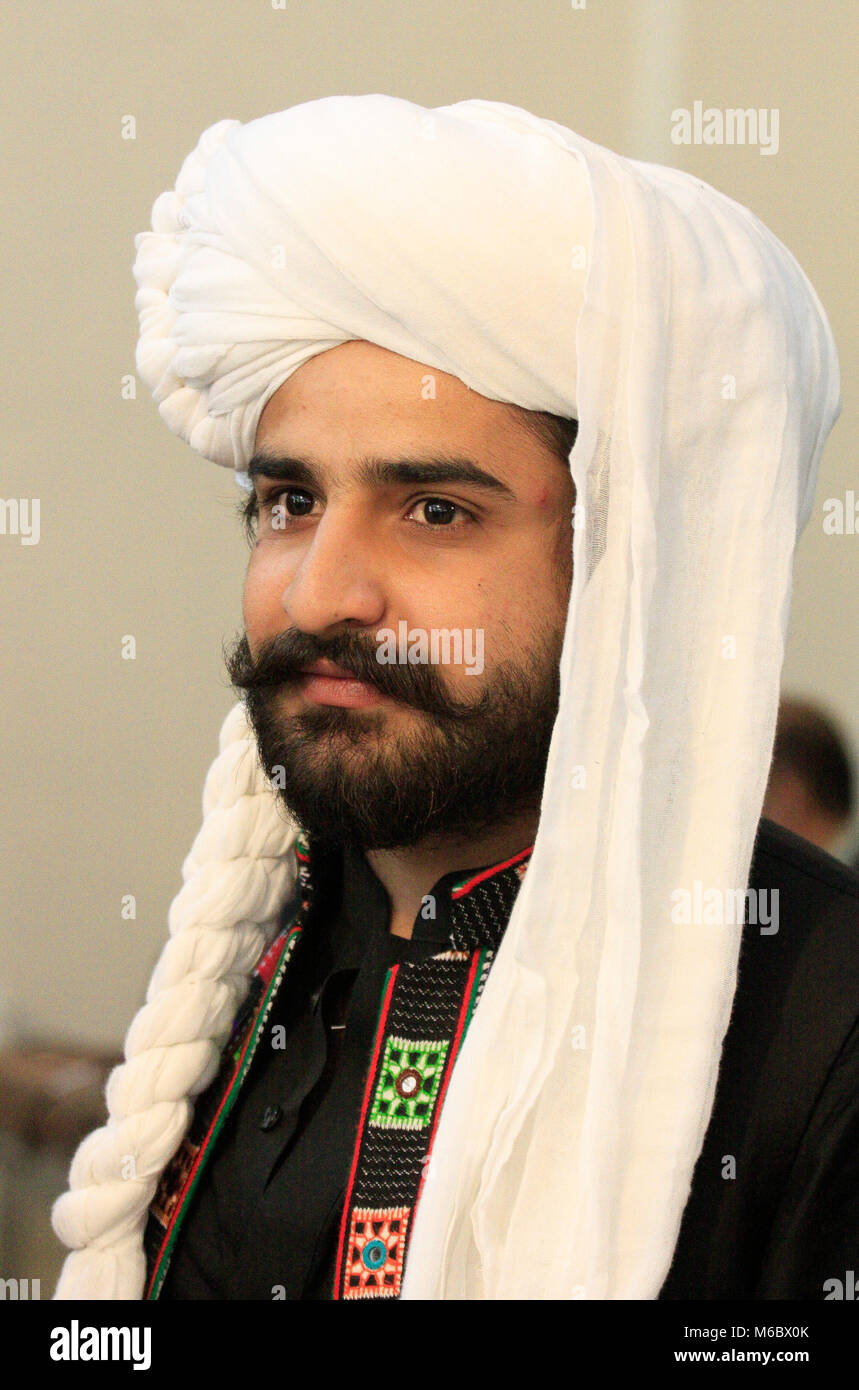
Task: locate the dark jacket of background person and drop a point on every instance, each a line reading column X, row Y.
column 787, row 1100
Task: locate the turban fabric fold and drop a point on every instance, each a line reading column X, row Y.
column 546, row 271
column 268, row 251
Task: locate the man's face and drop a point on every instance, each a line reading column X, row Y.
column 371, row 543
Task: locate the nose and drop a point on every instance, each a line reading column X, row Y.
column 337, row 580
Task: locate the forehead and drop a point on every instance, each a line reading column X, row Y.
column 363, row 393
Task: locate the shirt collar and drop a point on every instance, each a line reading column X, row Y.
column 465, row 910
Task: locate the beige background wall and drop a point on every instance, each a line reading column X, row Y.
column 103, row 759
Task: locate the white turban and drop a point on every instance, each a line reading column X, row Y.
column 268, row 252
column 546, row 271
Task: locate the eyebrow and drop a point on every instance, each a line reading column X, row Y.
column 380, row 472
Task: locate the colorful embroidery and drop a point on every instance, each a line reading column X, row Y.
column 425, row 1011
column 377, row 1245
column 179, row 1179
column 410, row 1076
column 392, row 1146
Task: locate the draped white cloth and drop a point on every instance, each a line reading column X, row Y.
column 543, row 270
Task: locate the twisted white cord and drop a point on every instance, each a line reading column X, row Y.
column 237, row 876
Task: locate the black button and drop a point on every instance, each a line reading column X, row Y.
column 271, row 1117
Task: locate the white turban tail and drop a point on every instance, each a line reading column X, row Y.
column 546, row 271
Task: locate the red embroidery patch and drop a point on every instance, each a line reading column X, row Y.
column 377, row 1248
column 265, row 968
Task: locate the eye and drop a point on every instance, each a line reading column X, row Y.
column 282, row 506
column 439, row 512
column 294, row 500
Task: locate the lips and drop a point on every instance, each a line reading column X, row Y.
column 324, row 683
column 328, row 668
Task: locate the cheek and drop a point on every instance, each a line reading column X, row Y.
column 531, row 596
column 475, row 600
column 262, row 609
column 495, row 617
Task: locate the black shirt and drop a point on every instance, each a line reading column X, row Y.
column 264, row 1221
column 786, row 1109
column 773, row 1210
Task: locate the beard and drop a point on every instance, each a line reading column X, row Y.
column 460, row 769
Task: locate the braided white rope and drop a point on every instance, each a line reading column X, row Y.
column 237, row 876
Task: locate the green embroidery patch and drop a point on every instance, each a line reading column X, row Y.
column 409, row 1078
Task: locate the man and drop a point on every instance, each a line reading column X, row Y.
column 429, row 769
column 461, row 1036
column 810, row 788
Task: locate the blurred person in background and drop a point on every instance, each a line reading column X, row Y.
column 811, row 788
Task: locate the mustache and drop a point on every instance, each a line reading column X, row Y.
column 282, row 658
